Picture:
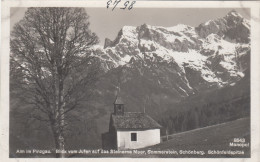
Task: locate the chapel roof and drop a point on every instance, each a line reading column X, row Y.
column 134, row 120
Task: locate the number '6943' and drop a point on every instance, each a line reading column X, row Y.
column 239, row 140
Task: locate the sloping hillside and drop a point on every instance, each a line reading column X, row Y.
column 217, row 137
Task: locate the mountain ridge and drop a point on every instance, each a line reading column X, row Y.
column 212, row 57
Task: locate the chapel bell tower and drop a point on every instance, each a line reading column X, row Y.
column 119, row 106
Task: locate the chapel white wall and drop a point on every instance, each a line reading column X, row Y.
column 144, row 138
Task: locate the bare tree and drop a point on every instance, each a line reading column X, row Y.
column 52, row 64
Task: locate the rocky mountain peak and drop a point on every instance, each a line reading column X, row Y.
column 232, row 27
column 234, row 19
column 234, row 13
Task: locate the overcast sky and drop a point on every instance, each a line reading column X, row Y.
column 106, row 23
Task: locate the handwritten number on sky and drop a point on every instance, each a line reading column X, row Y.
column 127, row 4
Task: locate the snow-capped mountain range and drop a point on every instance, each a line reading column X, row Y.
column 184, row 58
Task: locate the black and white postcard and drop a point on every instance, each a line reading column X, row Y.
column 130, row 79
